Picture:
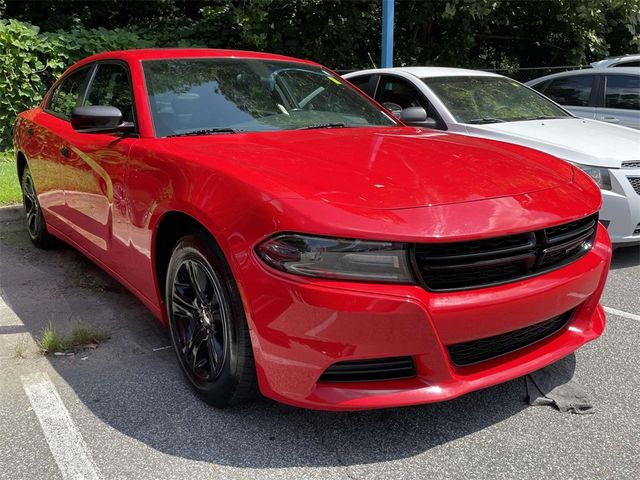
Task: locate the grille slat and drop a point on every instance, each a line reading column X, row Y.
column 370, row 370
column 479, row 263
column 635, row 183
column 634, row 164
column 476, row 351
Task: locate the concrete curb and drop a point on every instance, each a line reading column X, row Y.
column 11, row 213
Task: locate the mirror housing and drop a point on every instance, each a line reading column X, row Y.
column 417, row 117
column 99, row 119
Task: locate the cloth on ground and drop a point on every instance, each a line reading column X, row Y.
column 553, row 385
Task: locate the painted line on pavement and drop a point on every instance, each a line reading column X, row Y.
column 620, row 313
column 65, row 442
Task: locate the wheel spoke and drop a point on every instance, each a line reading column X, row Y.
column 182, row 306
column 194, row 277
column 216, row 351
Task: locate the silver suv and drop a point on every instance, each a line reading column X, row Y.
column 608, row 94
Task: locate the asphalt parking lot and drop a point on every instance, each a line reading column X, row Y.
column 122, row 411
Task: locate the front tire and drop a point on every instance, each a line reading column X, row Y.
column 207, row 323
column 36, row 225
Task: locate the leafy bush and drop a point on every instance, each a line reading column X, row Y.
column 32, row 60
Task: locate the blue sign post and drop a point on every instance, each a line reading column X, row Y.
column 387, row 33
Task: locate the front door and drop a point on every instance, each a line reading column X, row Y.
column 97, row 199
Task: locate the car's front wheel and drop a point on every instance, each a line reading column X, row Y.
column 207, row 323
column 36, row 225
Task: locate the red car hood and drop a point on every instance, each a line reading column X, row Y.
column 382, row 168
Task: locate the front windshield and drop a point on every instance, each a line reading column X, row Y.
column 227, row 95
column 491, row 100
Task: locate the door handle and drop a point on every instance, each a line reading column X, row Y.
column 610, row 119
column 64, row 151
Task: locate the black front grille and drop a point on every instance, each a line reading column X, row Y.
column 480, row 263
column 634, row 164
column 635, row 183
column 469, row 353
column 371, row 370
column 637, row 230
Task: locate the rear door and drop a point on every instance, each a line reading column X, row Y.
column 577, row 93
column 621, row 102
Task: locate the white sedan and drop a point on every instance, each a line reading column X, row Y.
column 492, row 106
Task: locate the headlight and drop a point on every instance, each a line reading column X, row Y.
column 338, row 258
column 600, row 175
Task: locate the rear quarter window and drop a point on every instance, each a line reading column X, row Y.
column 623, row 91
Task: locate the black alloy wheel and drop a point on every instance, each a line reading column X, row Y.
column 208, row 327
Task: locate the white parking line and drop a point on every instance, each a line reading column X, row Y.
column 65, row 442
column 620, row 313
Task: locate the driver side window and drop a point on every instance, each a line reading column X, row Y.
column 399, row 91
column 110, row 86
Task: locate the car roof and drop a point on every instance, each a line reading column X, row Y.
column 607, row 62
column 175, row 53
column 427, row 72
column 588, row 71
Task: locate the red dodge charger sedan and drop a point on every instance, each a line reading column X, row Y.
column 300, row 241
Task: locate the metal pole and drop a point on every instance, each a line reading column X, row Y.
column 387, row 33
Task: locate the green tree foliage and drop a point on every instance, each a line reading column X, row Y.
column 32, row 60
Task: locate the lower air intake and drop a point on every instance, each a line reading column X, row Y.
column 476, row 351
column 370, row 370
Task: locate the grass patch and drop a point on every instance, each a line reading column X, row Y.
column 82, row 336
column 9, row 184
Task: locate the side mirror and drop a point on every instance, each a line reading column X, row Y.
column 99, row 119
column 417, row 117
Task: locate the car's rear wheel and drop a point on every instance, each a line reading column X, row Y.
column 36, row 225
column 208, row 327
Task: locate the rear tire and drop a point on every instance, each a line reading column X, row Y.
column 36, row 225
column 207, row 323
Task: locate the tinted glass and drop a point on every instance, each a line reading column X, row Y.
column 491, row 100
column 623, row 91
column 574, row 91
column 399, row 91
column 110, row 86
column 362, row 83
column 69, row 93
column 628, row 64
column 250, row 95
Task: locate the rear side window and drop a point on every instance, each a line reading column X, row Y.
column 68, row 94
column 623, row 91
column 574, row 91
column 111, row 86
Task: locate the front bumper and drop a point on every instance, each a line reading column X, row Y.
column 300, row 327
column 621, row 208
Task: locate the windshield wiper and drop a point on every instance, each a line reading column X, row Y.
column 204, row 131
column 323, row 125
column 544, row 117
column 486, row 120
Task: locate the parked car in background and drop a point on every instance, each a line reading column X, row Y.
column 297, row 238
column 492, row 106
column 631, row 60
column 608, row 95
